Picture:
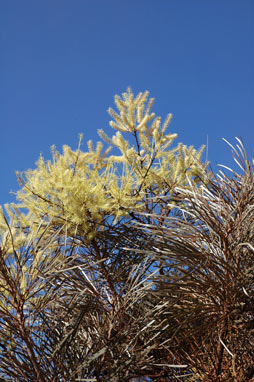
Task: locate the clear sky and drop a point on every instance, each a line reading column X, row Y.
column 61, row 62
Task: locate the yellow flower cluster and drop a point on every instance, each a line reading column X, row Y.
column 80, row 190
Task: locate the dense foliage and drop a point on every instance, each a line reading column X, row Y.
column 131, row 266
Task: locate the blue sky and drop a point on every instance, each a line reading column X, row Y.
column 63, row 61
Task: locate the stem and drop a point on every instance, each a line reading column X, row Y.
column 137, row 141
column 103, row 268
column 24, row 334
